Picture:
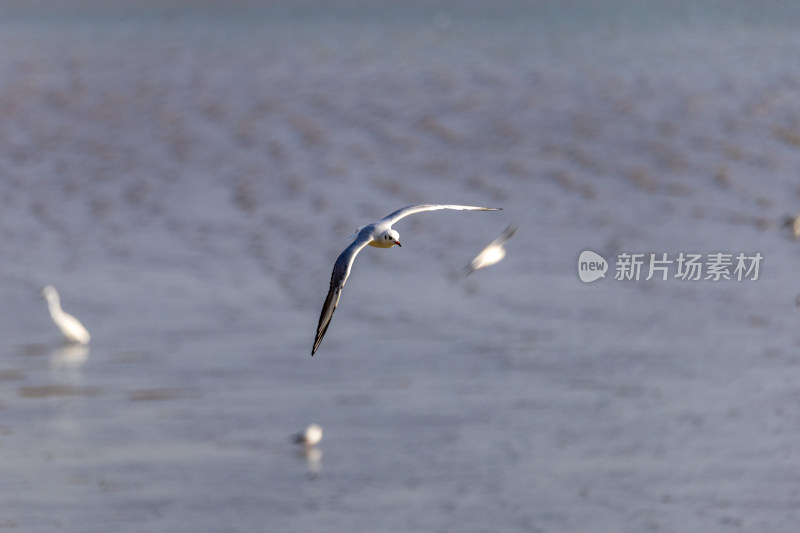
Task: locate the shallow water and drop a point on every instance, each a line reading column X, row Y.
column 187, row 176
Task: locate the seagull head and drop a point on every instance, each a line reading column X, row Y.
column 387, row 239
column 393, row 237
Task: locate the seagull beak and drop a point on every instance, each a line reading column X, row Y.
column 398, row 244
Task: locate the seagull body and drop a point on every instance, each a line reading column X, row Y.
column 309, row 437
column 380, row 235
column 70, row 326
column 494, row 253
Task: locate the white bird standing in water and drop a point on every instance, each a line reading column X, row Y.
column 309, row 437
column 381, row 235
column 70, row 326
column 494, row 253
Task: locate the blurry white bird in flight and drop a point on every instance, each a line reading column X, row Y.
column 381, row 235
column 70, row 326
column 494, row 253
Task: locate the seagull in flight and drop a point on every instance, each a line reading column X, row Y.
column 380, row 235
column 493, row 253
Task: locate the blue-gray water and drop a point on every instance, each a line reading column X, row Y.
column 186, row 177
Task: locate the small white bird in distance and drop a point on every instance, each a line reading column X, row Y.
column 492, row 254
column 793, row 223
column 70, row 326
column 380, row 235
column 309, row 437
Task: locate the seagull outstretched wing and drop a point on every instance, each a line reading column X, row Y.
column 341, row 271
column 419, row 208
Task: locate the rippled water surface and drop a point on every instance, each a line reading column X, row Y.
column 186, row 175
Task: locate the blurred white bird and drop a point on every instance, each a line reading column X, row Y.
column 309, row 437
column 494, row 253
column 793, row 222
column 70, row 326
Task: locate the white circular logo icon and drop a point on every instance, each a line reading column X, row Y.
column 591, row 266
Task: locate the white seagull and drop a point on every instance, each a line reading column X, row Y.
column 494, row 253
column 381, row 235
column 70, row 326
column 309, row 437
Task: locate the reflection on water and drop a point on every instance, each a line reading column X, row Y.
column 69, row 357
column 313, row 457
column 58, row 391
column 67, row 362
